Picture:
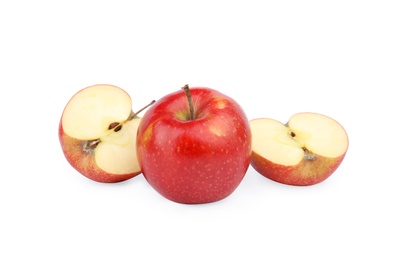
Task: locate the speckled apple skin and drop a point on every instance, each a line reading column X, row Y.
column 84, row 162
column 194, row 161
column 305, row 173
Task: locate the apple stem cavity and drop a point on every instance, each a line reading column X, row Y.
column 308, row 156
column 90, row 145
column 186, row 89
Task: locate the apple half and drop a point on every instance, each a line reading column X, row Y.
column 97, row 133
column 305, row 151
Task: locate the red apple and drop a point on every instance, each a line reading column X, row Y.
column 194, row 145
column 97, row 133
column 305, row 151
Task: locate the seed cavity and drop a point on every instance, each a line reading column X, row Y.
column 112, row 125
column 115, row 126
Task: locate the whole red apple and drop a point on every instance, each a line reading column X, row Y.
column 194, row 145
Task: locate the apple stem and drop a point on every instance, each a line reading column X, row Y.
column 140, row 110
column 118, row 127
column 186, row 89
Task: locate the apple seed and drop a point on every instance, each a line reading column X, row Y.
column 112, row 125
column 117, row 128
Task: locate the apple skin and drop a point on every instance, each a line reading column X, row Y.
column 84, row 162
column 304, row 173
column 307, row 171
column 194, row 161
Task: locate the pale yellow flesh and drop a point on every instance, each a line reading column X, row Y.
column 271, row 140
column 88, row 116
column 116, row 153
column 89, row 113
column 319, row 134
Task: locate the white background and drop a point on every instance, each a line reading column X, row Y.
column 344, row 59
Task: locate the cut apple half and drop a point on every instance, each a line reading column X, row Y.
column 305, row 151
column 98, row 132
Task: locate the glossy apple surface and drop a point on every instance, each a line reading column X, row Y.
column 198, row 160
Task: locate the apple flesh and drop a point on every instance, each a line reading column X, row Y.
column 305, row 151
column 194, row 148
column 97, row 133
